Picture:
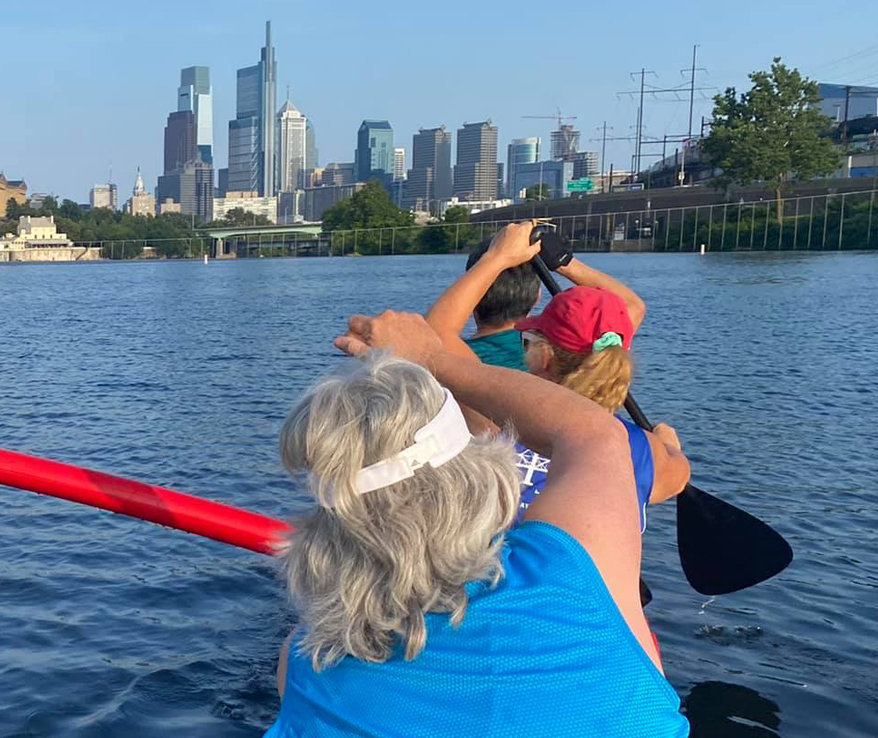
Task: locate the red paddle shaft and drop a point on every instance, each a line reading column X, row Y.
column 160, row 505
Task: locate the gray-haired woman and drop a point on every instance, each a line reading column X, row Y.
column 420, row 612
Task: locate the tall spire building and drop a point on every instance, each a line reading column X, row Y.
column 291, row 147
column 141, row 202
column 252, row 133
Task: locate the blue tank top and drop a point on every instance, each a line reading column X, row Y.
column 545, row 653
column 534, row 469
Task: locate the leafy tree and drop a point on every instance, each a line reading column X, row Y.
column 49, row 206
column 772, row 133
column 240, row 217
column 537, row 192
column 435, row 238
column 71, row 210
column 369, row 210
column 451, row 233
column 14, row 210
column 457, row 214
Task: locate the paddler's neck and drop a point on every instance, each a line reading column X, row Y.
column 490, row 330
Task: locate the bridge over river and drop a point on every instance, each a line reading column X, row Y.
column 294, row 239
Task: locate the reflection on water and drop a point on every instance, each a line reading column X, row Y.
column 721, row 710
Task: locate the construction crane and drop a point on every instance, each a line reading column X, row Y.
column 565, row 141
column 560, row 118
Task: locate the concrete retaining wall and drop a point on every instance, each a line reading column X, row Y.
column 77, row 253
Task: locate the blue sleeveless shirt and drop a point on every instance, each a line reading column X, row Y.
column 545, row 653
column 534, row 469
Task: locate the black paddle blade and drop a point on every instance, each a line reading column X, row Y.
column 645, row 594
column 724, row 549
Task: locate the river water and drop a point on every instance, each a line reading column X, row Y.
column 181, row 374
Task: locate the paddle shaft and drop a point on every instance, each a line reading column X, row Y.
column 159, row 505
column 548, row 279
column 712, row 534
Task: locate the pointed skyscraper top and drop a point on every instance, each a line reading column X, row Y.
column 139, row 189
column 288, row 107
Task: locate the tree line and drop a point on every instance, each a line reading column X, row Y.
column 773, row 133
column 169, row 233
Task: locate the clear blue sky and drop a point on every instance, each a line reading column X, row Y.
column 87, row 84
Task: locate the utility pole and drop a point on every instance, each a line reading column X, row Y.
column 639, row 135
column 847, row 106
column 640, row 119
column 692, row 88
column 603, row 139
column 603, row 153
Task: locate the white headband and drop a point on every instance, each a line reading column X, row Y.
column 439, row 441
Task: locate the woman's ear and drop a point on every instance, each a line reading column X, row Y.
column 539, row 359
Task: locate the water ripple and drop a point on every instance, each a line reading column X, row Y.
column 181, row 374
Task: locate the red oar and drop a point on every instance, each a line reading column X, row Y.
column 160, row 505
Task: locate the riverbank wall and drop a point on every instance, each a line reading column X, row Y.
column 71, row 253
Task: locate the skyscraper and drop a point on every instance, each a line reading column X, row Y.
column 585, row 164
column 475, row 175
column 291, row 147
column 251, row 135
column 520, row 151
column 192, row 187
column 398, row 163
column 565, row 143
column 104, row 196
column 554, row 175
column 374, row 155
column 188, row 170
column 429, row 178
column 311, row 154
column 181, row 140
column 196, row 95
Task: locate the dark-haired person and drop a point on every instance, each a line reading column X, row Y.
column 507, row 294
column 581, row 340
column 498, row 293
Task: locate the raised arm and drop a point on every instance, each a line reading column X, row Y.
column 583, row 275
column 449, row 314
column 590, row 488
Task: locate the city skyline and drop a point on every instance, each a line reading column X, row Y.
column 124, row 130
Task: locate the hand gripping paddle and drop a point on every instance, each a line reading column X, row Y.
column 722, row 548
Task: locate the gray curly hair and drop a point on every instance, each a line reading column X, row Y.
column 363, row 569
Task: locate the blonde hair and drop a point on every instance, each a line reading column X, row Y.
column 603, row 377
column 363, row 572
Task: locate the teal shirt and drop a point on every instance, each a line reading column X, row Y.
column 544, row 653
column 500, row 349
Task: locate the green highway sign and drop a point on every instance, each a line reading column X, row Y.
column 579, row 185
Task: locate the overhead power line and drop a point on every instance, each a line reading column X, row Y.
column 868, row 51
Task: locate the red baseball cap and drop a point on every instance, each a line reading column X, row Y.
column 576, row 318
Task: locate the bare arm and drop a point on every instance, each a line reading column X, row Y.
column 671, row 467
column 452, row 310
column 590, row 489
column 509, row 248
column 583, row 275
